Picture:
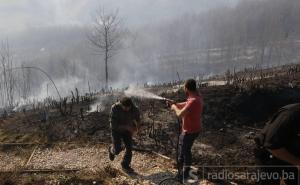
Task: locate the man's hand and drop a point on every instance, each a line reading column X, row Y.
column 130, row 129
column 137, row 131
column 134, row 130
column 170, row 102
column 173, row 107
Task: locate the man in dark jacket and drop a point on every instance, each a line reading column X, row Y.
column 278, row 146
column 124, row 122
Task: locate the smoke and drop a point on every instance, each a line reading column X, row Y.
column 96, row 107
column 155, row 53
column 102, row 103
column 105, row 101
column 133, row 91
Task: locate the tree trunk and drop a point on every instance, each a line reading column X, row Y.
column 106, row 59
column 106, row 71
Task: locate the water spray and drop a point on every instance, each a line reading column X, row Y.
column 141, row 93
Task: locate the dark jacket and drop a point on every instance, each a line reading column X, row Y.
column 282, row 131
column 120, row 118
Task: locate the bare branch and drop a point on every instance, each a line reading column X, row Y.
column 106, row 35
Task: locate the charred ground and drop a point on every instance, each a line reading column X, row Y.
column 70, row 137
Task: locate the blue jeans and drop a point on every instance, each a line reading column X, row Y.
column 186, row 142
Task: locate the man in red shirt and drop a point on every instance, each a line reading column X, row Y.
column 190, row 112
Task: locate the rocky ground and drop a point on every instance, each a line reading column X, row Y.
column 233, row 114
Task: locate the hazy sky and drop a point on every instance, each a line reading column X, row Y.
column 17, row 15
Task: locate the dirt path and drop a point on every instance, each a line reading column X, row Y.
column 213, row 147
column 150, row 168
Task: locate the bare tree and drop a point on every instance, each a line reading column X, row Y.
column 106, row 36
column 8, row 80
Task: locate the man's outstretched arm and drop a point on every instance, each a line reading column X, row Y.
column 287, row 156
column 180, row 112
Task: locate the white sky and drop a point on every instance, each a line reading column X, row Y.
column 17, row 15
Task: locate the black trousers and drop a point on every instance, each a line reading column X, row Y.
column 186, row 142
column 275, row 166
column 117, row 138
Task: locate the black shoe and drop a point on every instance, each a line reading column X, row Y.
column 181, row 177
column 127, row 169
column 110, row 155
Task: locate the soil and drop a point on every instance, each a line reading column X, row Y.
column 233, row 115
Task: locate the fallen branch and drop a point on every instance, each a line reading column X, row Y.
column 54, row 143
column 41, row 170
column 32, row 154
column 17, row 144
column 141, row 150
column 162, row 156
column 152, row 152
